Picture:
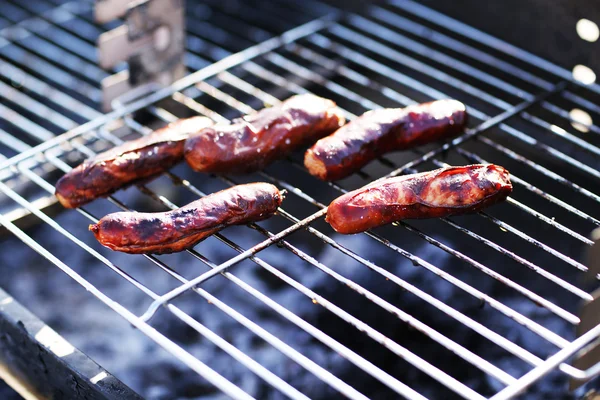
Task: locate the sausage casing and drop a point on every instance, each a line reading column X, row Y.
column 252, row 142
column 434, row 194
column 180, row 229
column 122, row 165
column 380, row 131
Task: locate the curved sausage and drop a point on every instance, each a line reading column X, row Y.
column 381, row 131
column 439, row 193
column 181, row 229
column 123, row 165
column 252, row 142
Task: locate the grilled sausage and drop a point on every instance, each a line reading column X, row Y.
column 181, row 229
column 123, row 165
column 433, row 194
column 252, row 142
column 380, row 131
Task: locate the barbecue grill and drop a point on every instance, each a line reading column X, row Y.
column 481, row 306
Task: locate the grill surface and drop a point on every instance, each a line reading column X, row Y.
column 392, row 56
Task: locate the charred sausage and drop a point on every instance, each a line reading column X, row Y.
column 123, row 165
column 439, row 193
column 381, row 131
column 181, row 229
column 252, row 142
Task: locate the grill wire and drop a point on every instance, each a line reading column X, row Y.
column 393, row 56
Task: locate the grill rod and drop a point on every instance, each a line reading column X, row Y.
column 55, row 21
column 246, row 110
column 395, row 96
column 448, row 43
column 474, row 34
column 311, row 229
column 296, row 251
column 470, row 133
column 228, row 62
column 508, row 227
column 320, row 300
column 234, row 352
column 395, row 56
column 548, row 220
column 306, row 73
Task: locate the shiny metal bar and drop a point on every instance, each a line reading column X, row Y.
column 395, row 56
column 453, row 45
column 217, row 340
column 228, row 62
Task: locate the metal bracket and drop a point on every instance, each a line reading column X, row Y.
column 152, row 42
column 589, row 313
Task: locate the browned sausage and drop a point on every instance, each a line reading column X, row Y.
column 123, row 165
column 181, row 229
column 252, row 142
column 433, row 194
column 381, row 131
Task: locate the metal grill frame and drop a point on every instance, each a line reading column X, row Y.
column 51, row 150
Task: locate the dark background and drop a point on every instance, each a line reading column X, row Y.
column 543, row 27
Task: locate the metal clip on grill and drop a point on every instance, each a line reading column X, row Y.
column 152, row 43
column 393, row 55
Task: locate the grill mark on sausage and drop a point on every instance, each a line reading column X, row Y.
column 250, row 143
column 434, row 194
column 129, row 163
column 180, row 229
column 381, row 131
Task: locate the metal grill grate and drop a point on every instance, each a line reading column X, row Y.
column 394, row 55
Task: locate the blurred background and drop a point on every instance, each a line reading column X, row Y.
column 557, row 30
